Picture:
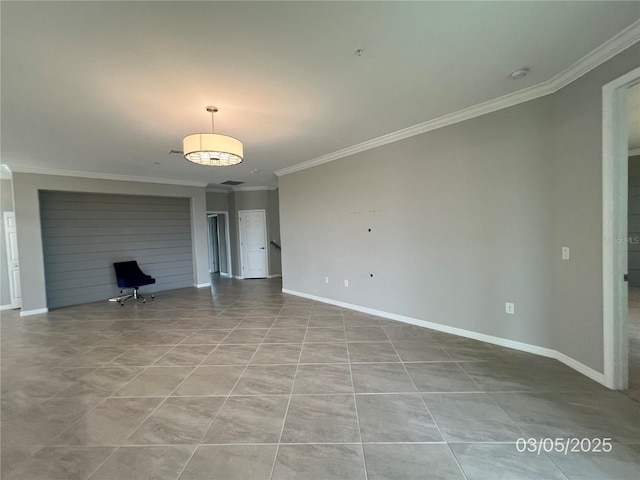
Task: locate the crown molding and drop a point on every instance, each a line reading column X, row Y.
column 598, row 56
column 253, row 189
column 499, row 103
column 103, row 176
column 623, row 40
column 634, row 152
column 5, row 172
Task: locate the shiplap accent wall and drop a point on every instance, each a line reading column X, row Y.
column 83, row 234
column 634, row 221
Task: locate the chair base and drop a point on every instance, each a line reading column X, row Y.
column 134, row 294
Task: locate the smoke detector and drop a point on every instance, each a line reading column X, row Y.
column 520, row 73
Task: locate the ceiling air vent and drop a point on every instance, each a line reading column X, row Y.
column 231, row 182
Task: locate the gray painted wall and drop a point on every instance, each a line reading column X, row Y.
column 577, row 206
column 460, row 223
column 217, row 202
column 6, row 205
column 254, row 200
column 249, row 200
column 26, row 187
column 83, row 234
column 273, row 219
column 634, row 221
column 466, row 218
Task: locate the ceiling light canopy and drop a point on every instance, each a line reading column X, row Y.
column 212, row 149
column 520, row 73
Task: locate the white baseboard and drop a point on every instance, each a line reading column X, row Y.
column 38, row 311
column 582, row 368
column 6, row 307
column 275, row 275
column 238, row 277
column 222, row 274
column 202, row 285
column 503, row 342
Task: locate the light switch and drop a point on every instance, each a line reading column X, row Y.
column 565, row 253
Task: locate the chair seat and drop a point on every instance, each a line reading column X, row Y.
column 136, row 282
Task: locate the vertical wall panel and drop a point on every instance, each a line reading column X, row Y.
column 83, row 234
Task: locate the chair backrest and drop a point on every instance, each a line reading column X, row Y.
column 129, row 275
column 128, row 269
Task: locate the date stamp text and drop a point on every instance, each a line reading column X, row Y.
column 564, row 445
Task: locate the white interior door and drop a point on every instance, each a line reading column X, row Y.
column 12, row 259
column 253, row 243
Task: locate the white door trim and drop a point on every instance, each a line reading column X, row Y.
column 13, row 265
column 266, row 240
column 227, row 238
column 614, row 228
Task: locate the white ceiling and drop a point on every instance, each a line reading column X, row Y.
column 111, row 87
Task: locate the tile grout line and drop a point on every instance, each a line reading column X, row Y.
column 470, row 377
column 405, row 364
column 429, row 411
column 144, row 445
column 111, row 396
column 197, row 445
column 88, row 477
column 355, row 404
column 164, row 399
column 104, row 399
column 286, row 411
column 116, row 448
column 526, row 435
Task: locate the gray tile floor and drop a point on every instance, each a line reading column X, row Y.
column 243, row 382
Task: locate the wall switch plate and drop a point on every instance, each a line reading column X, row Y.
column 346, row 283
column 326, row 279
column 566, row 254
column 510, row 308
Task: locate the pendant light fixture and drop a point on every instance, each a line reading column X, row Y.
column 212, row 149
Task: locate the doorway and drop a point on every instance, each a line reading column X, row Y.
column 633, row 113
column 253, row 243
column 615, row 247
column 13, row 264
column 219, row 251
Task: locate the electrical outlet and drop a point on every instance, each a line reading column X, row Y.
column 566, row 253
column 346, row 283
column 510, row 308
column 326, row 279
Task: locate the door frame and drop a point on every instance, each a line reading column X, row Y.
column 16, row 300
column 227, row 239
column 615, row 151
column 241, row 240
column 214, row 243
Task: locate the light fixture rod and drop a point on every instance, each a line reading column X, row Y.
column 212, row 110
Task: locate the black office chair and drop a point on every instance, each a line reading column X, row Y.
column 129, row 275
